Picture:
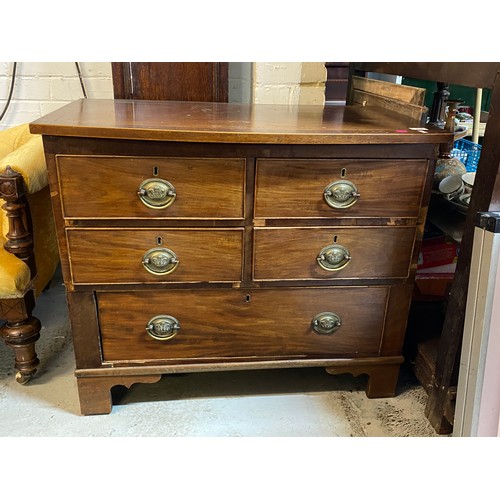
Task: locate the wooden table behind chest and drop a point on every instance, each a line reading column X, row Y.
column 209, row 236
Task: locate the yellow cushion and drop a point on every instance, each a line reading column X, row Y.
column 12, row 138
column 14, row 275
column 29, row 160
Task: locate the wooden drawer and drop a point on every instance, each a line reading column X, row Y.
column 295, row 188
column 372, row 252
column 115, row 255
column 238, row 323
column 101, row 187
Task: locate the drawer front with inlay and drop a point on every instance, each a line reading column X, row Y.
column 339, row 188
column 95, row 187
column 153, row 256
column 324, row 253
column 189, row 325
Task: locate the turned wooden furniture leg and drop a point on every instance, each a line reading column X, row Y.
column 21, row 330
column 438, row 110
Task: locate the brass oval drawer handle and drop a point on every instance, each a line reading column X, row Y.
column 160, row 261
column 341, row 194
column 163, row 327
column 333, row 257
column 156, row 193
column 326, row 323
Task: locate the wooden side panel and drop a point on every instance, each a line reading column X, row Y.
column 368, row 99
column 58, row 217
column 394, row 91
column 397, row 318
column 104, row 256
column 100, row 187
column 291, row 253
column 84, row 329
column 232, row 323
column 295, row 188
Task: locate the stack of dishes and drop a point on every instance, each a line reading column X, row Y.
column 457, row 189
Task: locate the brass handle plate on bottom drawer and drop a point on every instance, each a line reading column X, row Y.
column 326, row 323
column 233, row 323
column 163, row 327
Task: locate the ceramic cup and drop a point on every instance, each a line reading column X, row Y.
column 468, row 180
column 464, row 199
column 452, row 186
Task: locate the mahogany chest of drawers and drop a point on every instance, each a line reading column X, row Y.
column 214, row 236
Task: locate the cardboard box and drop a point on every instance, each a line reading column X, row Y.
column 436, row 252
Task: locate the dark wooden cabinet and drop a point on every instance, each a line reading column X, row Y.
column 172, row 81
column 215, row 236
column 337, row 78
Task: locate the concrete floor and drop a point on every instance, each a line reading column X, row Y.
column 268, row 403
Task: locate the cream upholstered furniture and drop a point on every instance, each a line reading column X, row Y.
column 28, row 247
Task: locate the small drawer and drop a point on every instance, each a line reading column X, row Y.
column 293, row 188
column 99, row 256
column 332, row 252
column 107, row 187
column 225, row 324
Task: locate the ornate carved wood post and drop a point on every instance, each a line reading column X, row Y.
column 22, row 329
column 438, row 110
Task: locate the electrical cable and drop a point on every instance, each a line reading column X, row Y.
column 11, row 91
column 81, row 80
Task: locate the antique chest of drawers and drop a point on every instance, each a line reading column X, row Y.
column 213, row 236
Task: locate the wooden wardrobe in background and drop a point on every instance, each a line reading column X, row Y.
column 171, row 81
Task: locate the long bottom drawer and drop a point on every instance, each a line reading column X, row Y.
column 220, row 324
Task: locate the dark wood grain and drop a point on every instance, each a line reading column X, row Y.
column 227, row 323
column 177, row 81
column 233, row 123
column 396, row 318
column 294, row 188
column 115, row 256
column 94, row 392
column 122, row 147
column 291, row 253
column 85, row 331
column 100, row 187
column 248, row 217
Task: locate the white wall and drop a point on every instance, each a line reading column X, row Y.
column 289, row 83
column 42, row 87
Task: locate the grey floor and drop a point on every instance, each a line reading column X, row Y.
column 268, row 403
